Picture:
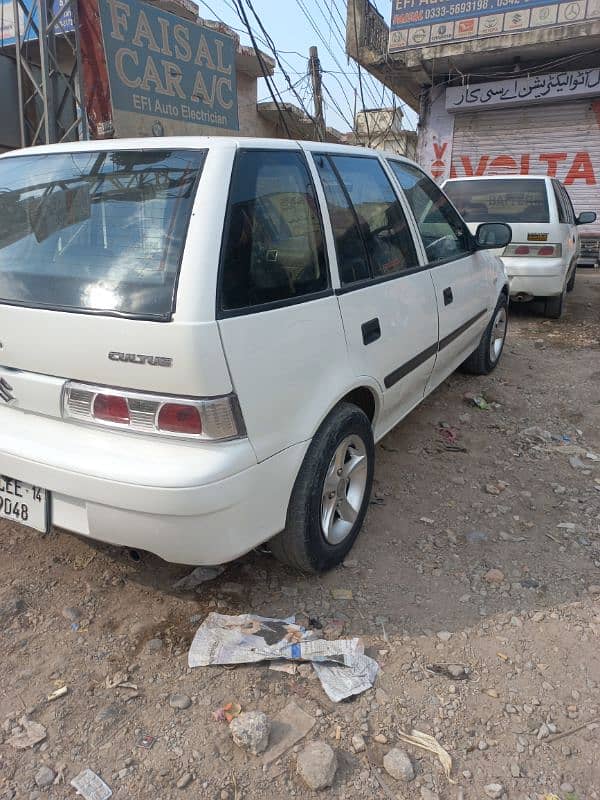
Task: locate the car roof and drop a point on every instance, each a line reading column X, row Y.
column 199, row 143
column 498, row 177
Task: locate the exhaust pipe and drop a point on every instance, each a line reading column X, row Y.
column 521, row 297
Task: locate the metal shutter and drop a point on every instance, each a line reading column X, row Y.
column 514, row 140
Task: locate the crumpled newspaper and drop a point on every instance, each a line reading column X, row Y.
column 341, row 665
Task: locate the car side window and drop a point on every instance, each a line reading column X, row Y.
column 273, row 247
column 560, row 202
column 444, row 234
column 570, row 211
column 378, row 218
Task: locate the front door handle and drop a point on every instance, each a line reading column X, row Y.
column 448, row 296
column 371, row 331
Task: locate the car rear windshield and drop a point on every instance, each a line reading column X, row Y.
column 96, row 231
column 519, row 200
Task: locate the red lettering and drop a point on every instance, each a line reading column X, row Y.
column 453, row 173
column 468, row 166
column 553, row 160
column 439, row 150
column 581, row 170
column 525, row 160
column 503, row 163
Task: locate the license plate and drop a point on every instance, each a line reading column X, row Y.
column 24, row 503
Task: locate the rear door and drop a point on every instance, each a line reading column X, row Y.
column 463, row 279
column 278, row 316
column 386, row 296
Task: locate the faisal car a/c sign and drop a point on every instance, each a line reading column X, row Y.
column 163, row 66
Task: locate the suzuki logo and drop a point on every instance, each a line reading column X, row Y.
column 6, row 391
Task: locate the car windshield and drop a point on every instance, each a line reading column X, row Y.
column 96, row 231
column 489, row 200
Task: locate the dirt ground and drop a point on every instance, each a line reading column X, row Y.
column 481, row 548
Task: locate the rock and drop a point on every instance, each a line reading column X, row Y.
column 567, row 788
column 358, row 743
column 44, row 777
column 72, row 614
column 397, row 763
column 444, row 636
column 251, row 731
column 317, row 765
column 494, row 790
column 473, row 537
column 483, row 745
column 457, row 671
column 594, row 588
column 185, row 780
column 154, row 645
column 543, row 732
column 427, row 794
column 515, row 770
column 380, row 738
column 495, row 576
column 180, row 701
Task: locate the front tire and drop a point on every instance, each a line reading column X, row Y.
column 485, row 359
column 331, row 494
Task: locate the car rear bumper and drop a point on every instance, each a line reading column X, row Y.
column 539, row 277
column 188, row 503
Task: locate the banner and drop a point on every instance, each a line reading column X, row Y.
column 529, row 89
column 7, row 21
column 168, row 68
column 423, row 23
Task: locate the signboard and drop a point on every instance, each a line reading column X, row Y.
column 422, row 23
column 7, row 21
column 168, row 68
column 523, row 91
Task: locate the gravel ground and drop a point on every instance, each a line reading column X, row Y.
column 480, row 551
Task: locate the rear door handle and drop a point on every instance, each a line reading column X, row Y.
column 371, row 331
column 448, row 296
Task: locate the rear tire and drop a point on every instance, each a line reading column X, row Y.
column 571, row 281
column 331, row 494
column 485, row 359
column 554, row 306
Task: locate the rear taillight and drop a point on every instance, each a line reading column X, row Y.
column 212, row 418
column 178, row 418
column 534, row 250
column 111, row 408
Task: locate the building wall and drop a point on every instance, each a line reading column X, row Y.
column 251, row 122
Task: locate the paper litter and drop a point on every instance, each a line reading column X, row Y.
column 91, row 786
column 342, row 666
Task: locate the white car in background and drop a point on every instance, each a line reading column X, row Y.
column 203, row 338
column 541, row 260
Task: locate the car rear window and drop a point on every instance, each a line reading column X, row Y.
column 518, row 200
column 96, row 231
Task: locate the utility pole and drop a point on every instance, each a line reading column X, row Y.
column 314, row 67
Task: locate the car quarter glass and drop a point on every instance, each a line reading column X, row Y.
column 444, row 234
column 353, row 262
column 96, row 231
column 362, row 201
column 274, row 249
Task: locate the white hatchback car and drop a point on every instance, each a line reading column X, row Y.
column 542, row 259
column 202, row 338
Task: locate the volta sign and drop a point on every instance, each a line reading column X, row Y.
column 163, row 66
